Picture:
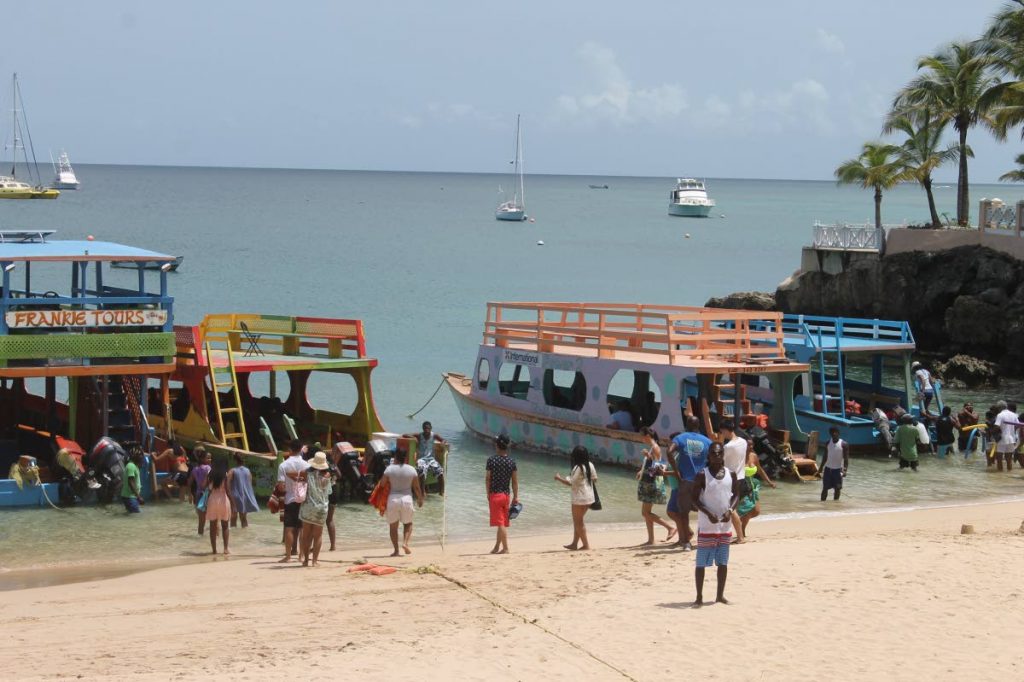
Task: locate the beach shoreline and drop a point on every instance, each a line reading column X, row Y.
column 886, row 593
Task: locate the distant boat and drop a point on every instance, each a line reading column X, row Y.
column 10, row 186
column 515, row 208
column 598, row 186
column 690, row 199
column 172, row 266
column 64, row 174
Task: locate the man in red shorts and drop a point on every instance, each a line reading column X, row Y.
column 501, row 474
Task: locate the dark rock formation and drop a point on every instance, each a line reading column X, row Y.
column 744, row 300
column 964, row 371
column 964, row 300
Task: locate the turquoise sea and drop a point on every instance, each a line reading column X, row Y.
column 416, row 256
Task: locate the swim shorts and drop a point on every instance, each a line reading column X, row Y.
column 713, row 550
column 291, row 515
column 498, row 503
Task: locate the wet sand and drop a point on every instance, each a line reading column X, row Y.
column 894, row 596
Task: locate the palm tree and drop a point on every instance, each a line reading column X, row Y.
column 1015, row 175
column 921, row 153
column 957, row 86
column 877, row 167
column 1003, row 42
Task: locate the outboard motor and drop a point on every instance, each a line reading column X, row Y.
column 380, row 457
column 771, row 461
column 352, row 477
column 104, row 468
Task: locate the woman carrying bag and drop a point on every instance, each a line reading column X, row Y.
column 582, row 482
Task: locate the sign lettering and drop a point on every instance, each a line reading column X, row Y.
column 522, row 357
column 48, row 319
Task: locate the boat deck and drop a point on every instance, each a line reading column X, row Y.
column 848, row 334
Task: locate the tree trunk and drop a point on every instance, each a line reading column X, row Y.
column 962, row 189
column 878, row 207
column 926, row 182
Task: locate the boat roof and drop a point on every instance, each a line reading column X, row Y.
column 33, row 245
column 707, row 340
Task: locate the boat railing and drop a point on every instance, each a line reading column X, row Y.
column 679, row 333
column 281, row 335
column 814, row 329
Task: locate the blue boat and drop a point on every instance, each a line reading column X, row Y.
column 78, row 365
column 856, row 365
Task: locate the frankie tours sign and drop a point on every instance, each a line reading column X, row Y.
column 44, row 319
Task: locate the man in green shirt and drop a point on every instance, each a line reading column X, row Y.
column 907, row 438
column 131, row 486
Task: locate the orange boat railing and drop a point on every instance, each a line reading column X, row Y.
column 678, row 333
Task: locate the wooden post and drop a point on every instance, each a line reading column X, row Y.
column 983, row 208
column 1019, row 223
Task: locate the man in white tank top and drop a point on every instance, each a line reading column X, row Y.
column 715, row 495
column 834, row 464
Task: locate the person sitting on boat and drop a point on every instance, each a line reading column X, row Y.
column 622, row 418
column 426, row 461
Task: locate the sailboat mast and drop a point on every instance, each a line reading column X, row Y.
column 519, row 165
column 14, row 124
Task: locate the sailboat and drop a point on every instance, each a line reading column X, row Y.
column 10, row 186
column 514, row 209
column 64, row 174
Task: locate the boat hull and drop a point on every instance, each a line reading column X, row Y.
column 36, row 495
column 689, row 210
column 66, row 185
column 514, row 216
column 30, row 194
column 542, row 434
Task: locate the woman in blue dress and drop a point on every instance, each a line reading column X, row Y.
column 243, row 497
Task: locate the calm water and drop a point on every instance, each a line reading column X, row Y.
column 416, row 256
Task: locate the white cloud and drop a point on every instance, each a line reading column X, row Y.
column 798, row 105
column 829, row 42
column 615, row 98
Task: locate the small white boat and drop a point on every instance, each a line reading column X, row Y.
column 64, row 174
column 690, row 199
column 515, row 208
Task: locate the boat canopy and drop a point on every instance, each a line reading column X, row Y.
column 33, row 245
column 707, row 340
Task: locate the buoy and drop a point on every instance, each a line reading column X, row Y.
column 532, row 220
column 540, row 242
column 90, row 238
column 721, row 215
column 687, row 235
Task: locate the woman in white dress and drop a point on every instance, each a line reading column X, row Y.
column 581, row 480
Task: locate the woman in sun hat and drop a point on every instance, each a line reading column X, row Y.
column 313, row 512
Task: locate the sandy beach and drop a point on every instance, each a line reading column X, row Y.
column 875, row 596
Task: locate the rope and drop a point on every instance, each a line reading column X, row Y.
column 528, row 621
column 410, row 416
column 47, row 497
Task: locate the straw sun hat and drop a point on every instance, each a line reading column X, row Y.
column 319, row 461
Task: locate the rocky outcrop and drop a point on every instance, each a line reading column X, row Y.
column 964, row 371
column 744, row 300
column 966, row 300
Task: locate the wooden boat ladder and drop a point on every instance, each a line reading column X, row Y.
column 233, row 385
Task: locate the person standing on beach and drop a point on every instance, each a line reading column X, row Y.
column 735, row 449
column 1006, row 422
column 687, row 455
column 288, row 473
column 650, row 489
column 218, row 507
column 834, row 464
column 907, row 438
column 502, row 476
column 581, row 480
column 425, row 460
column 334, row 499
column 715, row 495
column 404, row 481
column 131, row 484
column 197, row 481
column 243, row 497
column 313, row 509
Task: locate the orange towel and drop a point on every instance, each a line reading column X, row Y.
column 379, row 496
column 383, row 570
column 361, row 567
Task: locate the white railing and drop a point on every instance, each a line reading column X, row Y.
column 843, row 237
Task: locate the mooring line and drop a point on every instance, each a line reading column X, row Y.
column 458, row 583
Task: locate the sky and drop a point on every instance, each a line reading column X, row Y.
column 783, row 89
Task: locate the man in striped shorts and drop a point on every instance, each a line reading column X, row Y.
column 715, row 494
